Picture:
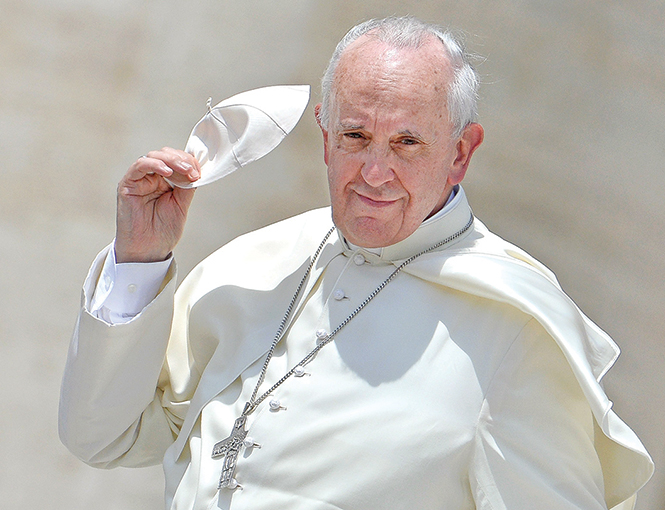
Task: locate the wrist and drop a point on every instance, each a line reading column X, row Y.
column 124, row 255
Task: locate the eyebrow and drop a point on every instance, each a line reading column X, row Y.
column 345, row 126
column 350, row 127
column 410, row 133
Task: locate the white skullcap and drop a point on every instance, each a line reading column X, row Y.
column 243, row 128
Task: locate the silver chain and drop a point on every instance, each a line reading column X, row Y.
column 251, row 405
column 253, row 402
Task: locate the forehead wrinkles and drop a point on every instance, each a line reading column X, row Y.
column 376, row 80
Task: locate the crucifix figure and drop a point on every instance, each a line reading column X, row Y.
column 229, row 448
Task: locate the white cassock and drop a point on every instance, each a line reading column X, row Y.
column 470, row 381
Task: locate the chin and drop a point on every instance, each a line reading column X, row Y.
column 370, row 238
column 369, row 232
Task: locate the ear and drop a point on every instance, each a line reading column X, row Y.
column 324, row 131
column 470, row 140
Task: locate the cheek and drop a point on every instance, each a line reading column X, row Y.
column 336, row 184
column 341, row 171
column 424, row 188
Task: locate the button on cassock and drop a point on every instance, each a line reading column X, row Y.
column 276, row 405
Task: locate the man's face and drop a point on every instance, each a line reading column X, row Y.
column 392, row 161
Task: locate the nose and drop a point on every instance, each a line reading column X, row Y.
column 376, row 169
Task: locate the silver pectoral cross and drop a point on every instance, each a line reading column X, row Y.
column 229, row 448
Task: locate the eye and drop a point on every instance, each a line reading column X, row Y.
column 407, row 141
column 353, row 135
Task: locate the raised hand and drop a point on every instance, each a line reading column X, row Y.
column 151, row 214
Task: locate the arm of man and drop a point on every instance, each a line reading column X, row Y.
column 110, row 404
column 111, row 409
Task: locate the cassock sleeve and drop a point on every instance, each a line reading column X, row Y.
column 111, row 404
column 534, row 444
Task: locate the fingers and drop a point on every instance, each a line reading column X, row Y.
column 180, row 162
column 166, row 162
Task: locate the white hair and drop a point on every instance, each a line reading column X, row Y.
column 409, row 32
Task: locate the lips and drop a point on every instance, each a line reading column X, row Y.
column 375, row 202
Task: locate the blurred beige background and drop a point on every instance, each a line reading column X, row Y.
column 573, row 101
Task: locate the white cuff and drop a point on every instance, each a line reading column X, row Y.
column 124, row 290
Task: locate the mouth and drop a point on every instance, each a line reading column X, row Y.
column 375, row 202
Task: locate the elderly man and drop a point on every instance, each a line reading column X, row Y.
column 400, row 356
